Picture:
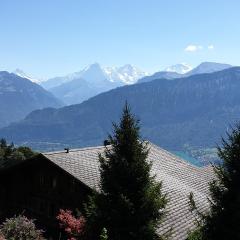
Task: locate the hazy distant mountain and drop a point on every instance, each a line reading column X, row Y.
column 91, row 81
column 208, row 67
column 19, row 96
column 160, row 75
column 184, row 70
column 181, row 68
column 192, row 111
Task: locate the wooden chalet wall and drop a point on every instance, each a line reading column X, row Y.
column 38, row 188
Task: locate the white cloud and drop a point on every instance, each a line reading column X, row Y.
column 193, row 48
column 210, row 47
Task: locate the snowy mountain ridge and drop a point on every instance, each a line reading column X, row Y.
column 127, row 74
column 22, row 74
column 180, row 68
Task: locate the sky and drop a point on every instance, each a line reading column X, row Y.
column 49, row 38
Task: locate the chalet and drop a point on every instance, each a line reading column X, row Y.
column 41, row 186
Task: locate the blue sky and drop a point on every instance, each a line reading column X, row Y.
column 54, row 37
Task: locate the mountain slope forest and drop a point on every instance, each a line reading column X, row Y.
column 19, row 96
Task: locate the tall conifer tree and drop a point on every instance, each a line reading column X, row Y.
column 223, row 220
column 130, row 205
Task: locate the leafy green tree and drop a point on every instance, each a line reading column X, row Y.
column 26, row 151
column 130, row 204
column 222, row 222
column 10, row 155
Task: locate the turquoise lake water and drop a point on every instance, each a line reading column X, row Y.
column 188, row 158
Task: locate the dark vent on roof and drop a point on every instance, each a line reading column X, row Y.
column 67, row 150
column 106, row 142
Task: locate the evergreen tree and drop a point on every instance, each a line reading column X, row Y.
column 222, row 222
column 130, row 205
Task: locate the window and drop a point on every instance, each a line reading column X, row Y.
column 54, row 182
column 42, row 206
column 41, row 180
column 51, row 210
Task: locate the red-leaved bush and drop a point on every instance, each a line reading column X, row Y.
column 72, row 226
column 1, row 237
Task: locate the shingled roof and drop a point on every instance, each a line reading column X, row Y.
column 179, row 179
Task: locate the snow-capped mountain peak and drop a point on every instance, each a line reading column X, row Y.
column 180, row 68
column 96, row 75
column 91, row 67
column 22, row 74
column 126, row 74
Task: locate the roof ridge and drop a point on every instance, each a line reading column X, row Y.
column 72, row 150
column 175, row 157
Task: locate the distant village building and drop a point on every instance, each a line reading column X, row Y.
column 39, row 187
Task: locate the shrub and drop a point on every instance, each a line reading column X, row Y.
column 20, row 227
column 2, row 237
column 72, row 226
column 103, row 235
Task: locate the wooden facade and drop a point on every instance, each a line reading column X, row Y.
column 38, row 188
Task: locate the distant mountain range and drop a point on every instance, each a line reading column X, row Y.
column 184, row 70
column 92, row 80
column 95, row 79
column 19, row 96
column 190, row 111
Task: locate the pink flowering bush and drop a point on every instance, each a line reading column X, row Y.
column 72, row 226
column 20, row 227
